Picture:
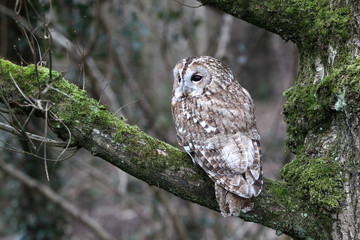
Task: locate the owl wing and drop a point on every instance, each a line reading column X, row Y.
column 219, row 133
column 236, row 166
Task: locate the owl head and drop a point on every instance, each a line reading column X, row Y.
column 197, row 76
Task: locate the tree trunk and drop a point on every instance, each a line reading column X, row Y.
column 318, row 196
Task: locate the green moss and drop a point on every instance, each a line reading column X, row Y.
column 304, row 111
column 127, row 133
column 316, row 180
column 317, row 22
column 310, row 24
column 140, row 144
column 311, row 188
column 292, row 207
column 312, row 107
column 343, row 86
column 76, row 108
column 35, row 76
column 280, row 193
column 13, row 73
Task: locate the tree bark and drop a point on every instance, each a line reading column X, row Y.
column 318, row 196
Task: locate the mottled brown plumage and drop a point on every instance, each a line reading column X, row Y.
column 215, row 123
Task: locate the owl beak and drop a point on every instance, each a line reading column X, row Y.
column 185, row 91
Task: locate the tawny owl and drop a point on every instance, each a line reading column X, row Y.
column 215, row 123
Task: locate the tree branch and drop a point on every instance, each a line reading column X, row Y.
column 275, row 16
column 153, row 161
column 306, row 23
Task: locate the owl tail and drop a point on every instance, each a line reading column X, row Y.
column 231, row 204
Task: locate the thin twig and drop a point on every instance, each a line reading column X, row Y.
column 37, row 104
column 4, row 110
column 95, row 36
column 17, row 150
column 19, row 125
column 32, row 136
column 18, row 88
column 65, row 94
column 45, row 136
column 56, row 118
column 102, row 92
column 126, row 105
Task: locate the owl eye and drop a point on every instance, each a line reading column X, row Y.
column 179, row 78
column 196, row 78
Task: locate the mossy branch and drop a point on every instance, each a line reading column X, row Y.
column 307, row 23
column 94, row 128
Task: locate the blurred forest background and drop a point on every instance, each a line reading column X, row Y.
column 122, row 52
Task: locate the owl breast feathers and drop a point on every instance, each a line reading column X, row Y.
column 215, row 123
